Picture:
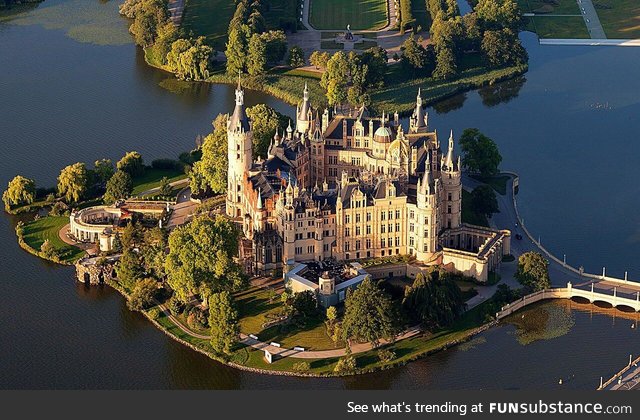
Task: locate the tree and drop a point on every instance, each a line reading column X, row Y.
column 167, row 33
column 369, row 314
column 334, row 79
column 375, row 58
column 165, row 186
column 305, row 304
column 20, row 190
column 143, row 295
column 434, row 300
column 319, row 59
column 498, row 14
column 131, row 236
column 210, row 173
column 131, row 163
column 48, row 249
column 223, row 320
column 480, row 153
column 103, row 171
column 72, row 182
column 200, row 259
column 332, row 314
column 346, row 364
column 446, row 66
column 237, row 49
column 276, row 46
column 129, row 269
column 296, row 56
column 533, row 271
column 120, row 186
column 414, row 55
column 502, row 48
column 484, row 200
column 264, row 123
column 148, row 15
column 190, row 59
column 257, row 52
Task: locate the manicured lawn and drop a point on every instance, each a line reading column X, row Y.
column 498, row 183
column 560, row 27
column 209, row 18
column 564, row 7
column 337, row 14
column 256, row 306
column 620, row 19
column 37, row 231
column 468, row 214
column 152, row 177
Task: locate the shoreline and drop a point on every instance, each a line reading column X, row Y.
column 274, row 372
column 285, row 96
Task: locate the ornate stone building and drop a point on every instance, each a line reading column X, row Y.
column 350, row 186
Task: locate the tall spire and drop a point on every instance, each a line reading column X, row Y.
column 418, row 121
column 259, row 198
column 427, row 178
column 239, row 120
column 449, row 160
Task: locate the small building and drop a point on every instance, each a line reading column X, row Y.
column 329, row 280
column 101, row 224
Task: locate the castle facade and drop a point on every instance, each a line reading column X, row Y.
column 350, row 186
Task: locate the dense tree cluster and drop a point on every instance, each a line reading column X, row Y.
column 251, row 47
column 151, row 28
column 189, row 58
column 484, row 201
column 223, row 321
column 348, row 76
column 119, row 186
column 491, row 28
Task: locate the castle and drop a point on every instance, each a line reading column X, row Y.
column 350, row 186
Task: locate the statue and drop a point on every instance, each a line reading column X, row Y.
column 348, row 36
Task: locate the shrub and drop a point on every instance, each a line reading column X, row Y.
column 48, row 249
column 386, row 355
column 154, row 313
column 346, row 364
column 58, row 209
column 197, row 318
column 301, row 367
column 175, row 306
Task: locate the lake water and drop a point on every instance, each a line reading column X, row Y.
column 74, row 88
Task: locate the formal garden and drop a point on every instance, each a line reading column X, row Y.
column 359, row 14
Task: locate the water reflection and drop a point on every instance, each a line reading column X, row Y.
column 502, row 92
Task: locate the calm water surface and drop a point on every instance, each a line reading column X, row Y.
column 74, row 88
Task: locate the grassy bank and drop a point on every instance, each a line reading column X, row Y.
column 399, row 93
column 32, row 235
column 152, row 178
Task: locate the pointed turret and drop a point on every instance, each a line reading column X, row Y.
column 239, row 120
column 259, row 205
column 418, row 120
column 427, row 178
column 449, row 160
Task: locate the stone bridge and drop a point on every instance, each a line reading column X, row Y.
column 626, row 294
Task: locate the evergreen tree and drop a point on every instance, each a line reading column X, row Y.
column 129, row 269
column 120, row 186
column 434, row 300
column 223, row 320
column 237, row 50
column 484, row 200
column 257, row 62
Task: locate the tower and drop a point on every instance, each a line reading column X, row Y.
column 239, row 140
column 304, row 114
column 452, row 188
column 427, row 225
column 418, row 120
